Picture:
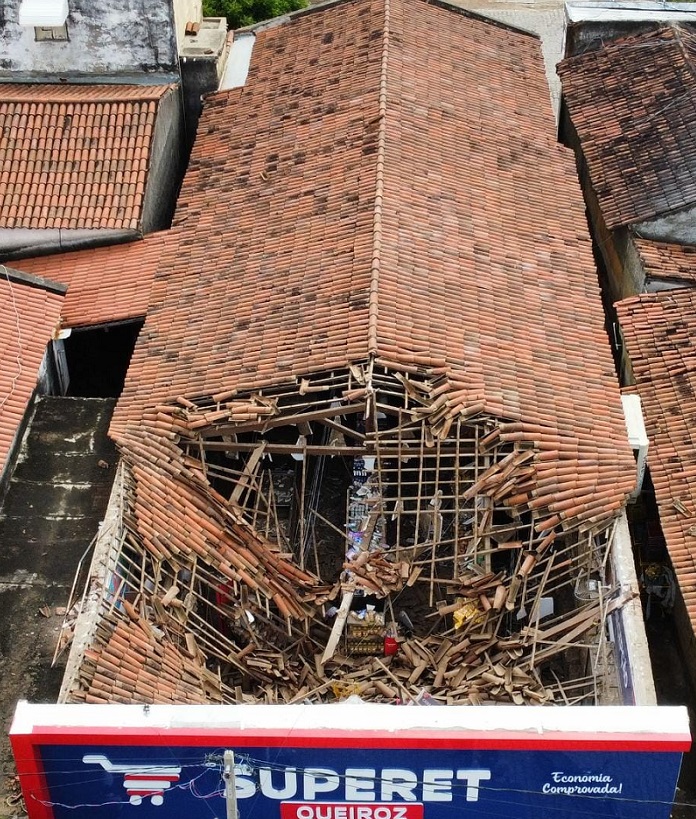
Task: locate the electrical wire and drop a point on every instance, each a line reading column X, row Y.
column 190, row 786
column 481, row 787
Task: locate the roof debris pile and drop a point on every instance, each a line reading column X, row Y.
column 133, row 662
column 437, row 541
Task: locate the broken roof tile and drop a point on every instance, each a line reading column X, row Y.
column 129, row 662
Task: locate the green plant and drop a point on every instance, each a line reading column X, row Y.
column 245, row 12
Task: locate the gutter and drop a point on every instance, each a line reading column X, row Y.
column 17, row 243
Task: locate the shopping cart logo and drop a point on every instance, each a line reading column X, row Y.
column 140, row 781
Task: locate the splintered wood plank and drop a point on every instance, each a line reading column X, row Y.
column 344, row 430
column 338, row 627
column 249, row 472
column 170, row 594
column 415, row 574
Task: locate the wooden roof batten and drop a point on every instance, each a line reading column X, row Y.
column 193, row 527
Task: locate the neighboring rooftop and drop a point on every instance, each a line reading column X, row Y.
column 105, row 284
column 659, row 330
column 633, row 105
column 203, row 40
column 668, row 262
column 631, row 11
column 29, row 315
column 75, row 156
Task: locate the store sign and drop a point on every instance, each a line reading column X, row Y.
column 318, row 767
column 347, row 810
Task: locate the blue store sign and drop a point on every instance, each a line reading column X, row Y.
column 318, row 767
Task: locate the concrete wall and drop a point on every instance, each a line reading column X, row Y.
column 115, row 40
column 590, row 36
column 679, row 228
column 107, row 550
column 186, row 11
column 198, row 77
column 624, row 273
column 631, row 274
column 166, row 164
column 631, row 653
column 593, row 23
column 202, row 62
column 687, row 638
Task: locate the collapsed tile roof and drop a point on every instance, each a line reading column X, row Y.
column 659, row 330
column 377, row 192
column 379, row 247
column 29, row 315
column 633, row 105
column 668, row 262
column 105, row 284
column 75, row 156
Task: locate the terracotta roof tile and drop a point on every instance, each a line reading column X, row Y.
column 397, row 196
column 633, row 105
column 72, row 156
column 105, row 284
column 375, row 192
column 128, row 662
column 28, row 317
column 660, row 334
column 662, row 260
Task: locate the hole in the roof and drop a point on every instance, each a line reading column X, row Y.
column 97, row 359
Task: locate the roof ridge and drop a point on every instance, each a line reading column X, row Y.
column 373, row 305
column 686, row 54
column 80, row 92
